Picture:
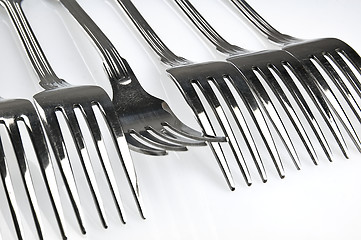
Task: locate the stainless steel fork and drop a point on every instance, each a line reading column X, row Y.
column 330, row 54
column 266, row 62
column 60, row 96
column 142, row 115
column 207, row 77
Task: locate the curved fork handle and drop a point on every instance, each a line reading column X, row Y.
column 114, row 64
column 262, row 25
column 208, row 31
column 158, row 46
column 47, row 77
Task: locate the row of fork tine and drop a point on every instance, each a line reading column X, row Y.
column 165, row 132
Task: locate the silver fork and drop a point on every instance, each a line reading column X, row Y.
column 221, row 75
column 328, row 53
column 63, row 97
column 265, row 63
column 141, row 114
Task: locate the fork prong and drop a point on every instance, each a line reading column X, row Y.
column 15, row 137
column 9, row 192
column 123, row 151
column 355, row 60
column 288, row 108
column 175, row 138
column 334, row 76
column 332, row 102
column 309, row 84
column 137, row 146
column 270, row 110
column 37, row 137
column 103, row 156
column 249, row 99
column 203, row 120
column 56, row 140
column 146, row 136
column 243, row 127
column 83, row 154
column 226, row 127
column 303, row 105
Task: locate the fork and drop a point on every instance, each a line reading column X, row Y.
column 60, row 96
column 265, row 63
column 13, row 111
column 142, row 116
column 330, row 54
column 224, row 77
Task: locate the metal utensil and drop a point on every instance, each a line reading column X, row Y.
column 275, row 63
column 329, row 53
column 62, row 97
column 142, row 115
column 189, row 76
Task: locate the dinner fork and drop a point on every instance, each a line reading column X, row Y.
column 142, row 115
column 60, row 96
column 207, row 77
column 12, row 112
column 265, row 63
column 330, row 54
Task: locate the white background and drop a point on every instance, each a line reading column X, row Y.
column 184, row 193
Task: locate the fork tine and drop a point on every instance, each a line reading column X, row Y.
column 9, row 192
column 203, row 120
column 57, row 143
column 123, row 151
column 159, row 143
column 137, row 146
column 246, row 94
column 88, row 114
column 226, row 127
column 304, row 106
column 243, row 127
column 332, row 102
column 334, row 76
column 346, row 70
column 15, row 137
column 188, row 132
column 173, row 137
column 272, row 113
column 318, row 99
column 83, row 154
column 36, row 133
column 352, row 56
column 292, row 115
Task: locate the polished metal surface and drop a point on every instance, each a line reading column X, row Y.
column 142, row 116
column 189, row 76
column 63, row 97
column 266, row 62
column 330, row 54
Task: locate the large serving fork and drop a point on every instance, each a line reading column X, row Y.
column 221, row 75
column 60, row 96
column 142, row 116
column 275, row 63
column 332, row 55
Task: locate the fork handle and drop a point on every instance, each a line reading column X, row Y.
column 113, row 63
column 208, row 31
column 47, row 77
column 159, row 47
column 262, row 25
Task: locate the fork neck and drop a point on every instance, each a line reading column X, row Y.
column 115, row 66
column 158, row 46
column 47, row 77
column 262, row 25
column 208, row 31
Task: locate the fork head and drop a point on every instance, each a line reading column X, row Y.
column 13, row 111
column 149, row 124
